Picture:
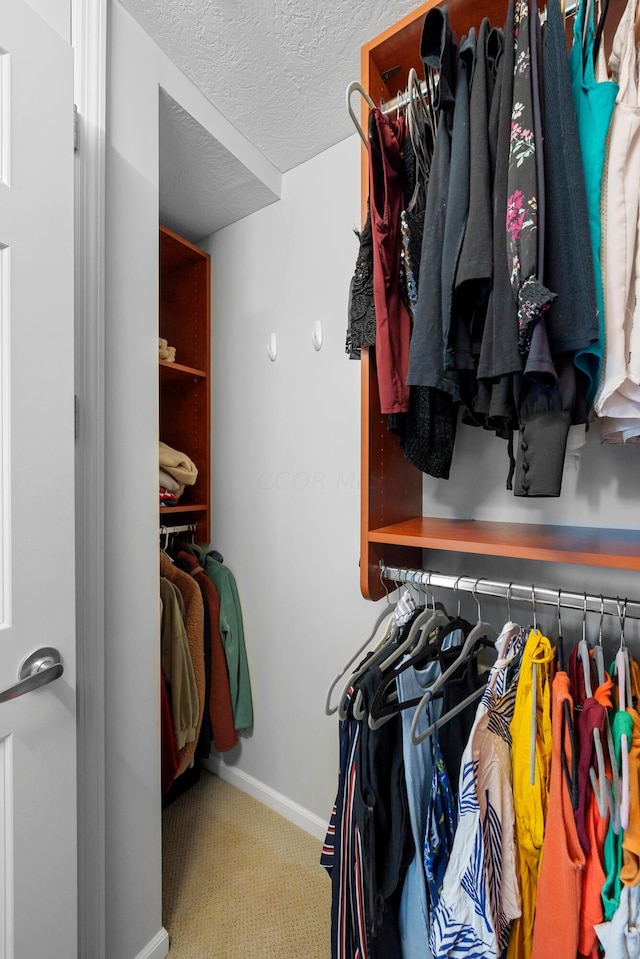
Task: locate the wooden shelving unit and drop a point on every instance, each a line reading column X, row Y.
column 185, row 410
column 393, row 528
column 169, row 371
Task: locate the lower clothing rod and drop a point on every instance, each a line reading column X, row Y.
column 184, row 528
column 167, row 532
column 619, row 606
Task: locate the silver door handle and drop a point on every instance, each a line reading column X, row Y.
column 38, row 669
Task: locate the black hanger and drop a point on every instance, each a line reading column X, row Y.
column 560, row 641
column 383, row 708
column 479, row 634
column 570, row 775
column 599, row 29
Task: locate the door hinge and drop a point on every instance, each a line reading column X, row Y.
column 75, row 128
column 76, row 417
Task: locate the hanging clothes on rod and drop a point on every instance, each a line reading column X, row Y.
column 168, row 534
column 206, row 689
column 535, row 849
column 499, row 280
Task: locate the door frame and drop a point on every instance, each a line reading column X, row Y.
column 89, row 41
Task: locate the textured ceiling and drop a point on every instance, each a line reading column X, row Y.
column 277, row 69
column 203, row 186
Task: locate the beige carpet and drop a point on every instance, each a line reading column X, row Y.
column 239, row 881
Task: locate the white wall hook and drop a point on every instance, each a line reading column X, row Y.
column 316, row 335
column 272, row 347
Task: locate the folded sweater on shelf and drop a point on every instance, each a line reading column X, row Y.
column 178, row 465
column 168, row 482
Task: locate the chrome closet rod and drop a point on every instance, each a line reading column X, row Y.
column 166, row 532
column 401, row 100
column 515, row 592
column 185, row 528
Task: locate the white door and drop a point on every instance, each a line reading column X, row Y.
column 38, row 897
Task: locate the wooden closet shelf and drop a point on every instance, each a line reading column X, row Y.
column 585, row 546
column 185, row 387
column 176, row 252
column 177, row 369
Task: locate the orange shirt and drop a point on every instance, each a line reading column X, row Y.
column 559, row 891
column 593, row 879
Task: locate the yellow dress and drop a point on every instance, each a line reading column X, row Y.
column 530, row 799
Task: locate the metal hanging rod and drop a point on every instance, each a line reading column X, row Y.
column 167, row 531
column 184, row 528
column 516, row 592
column 401, row 100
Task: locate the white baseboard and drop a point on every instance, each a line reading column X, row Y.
column 157, row 948
column 269, row 797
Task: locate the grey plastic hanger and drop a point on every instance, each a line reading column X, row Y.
column 479, row 632
column 411, row 653
column 384, row 585
column 357, row 709
column 612, row 788
column 598, row 778
column 354, row 86
column 623, row 644
column 385, row 615
column 452, row 713
column 624, row 697
column 432, row 98
column 598, row 651
column 583, row 653
column 388, row 638
column 570, row 774
column 478, row 694
column 418, row 118
column 424, row 623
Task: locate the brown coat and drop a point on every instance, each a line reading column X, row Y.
column 177, row 666
column 220, row 706
column 194, row 625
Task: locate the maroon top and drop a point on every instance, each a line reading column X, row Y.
column 589, row 714
column 386, row 196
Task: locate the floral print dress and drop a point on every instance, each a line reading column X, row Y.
column 532, row 297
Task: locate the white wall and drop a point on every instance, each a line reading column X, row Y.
column 285, row 476
column 286, row 461
column 57, row 14
column 132, row 766
column 136, row 70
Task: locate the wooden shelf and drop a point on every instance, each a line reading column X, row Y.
column 184, row 394
column 186, row 508
column 586, row 546
column 178, row 369
column 175, row 252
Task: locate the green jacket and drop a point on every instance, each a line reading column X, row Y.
column 232, row 633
